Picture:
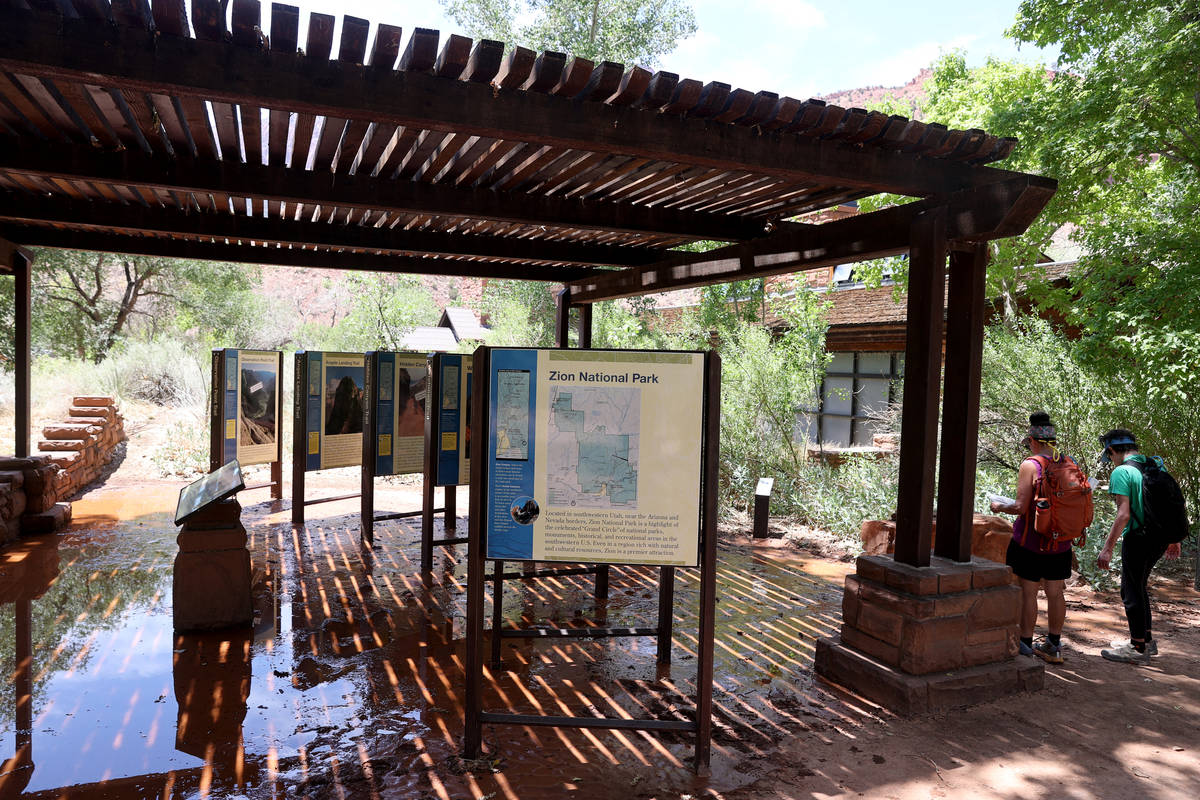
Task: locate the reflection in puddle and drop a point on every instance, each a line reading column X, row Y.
column 350, row 681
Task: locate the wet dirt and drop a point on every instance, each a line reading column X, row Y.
column 350, row 682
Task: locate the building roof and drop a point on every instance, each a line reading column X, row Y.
column 429, row 339
column 464, row 323
column 224, row 137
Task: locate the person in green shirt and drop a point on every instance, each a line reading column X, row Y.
column 1138, row 554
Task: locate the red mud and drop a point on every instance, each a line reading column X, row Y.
column 350, row 683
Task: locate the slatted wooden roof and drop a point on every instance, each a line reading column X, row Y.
column 128, row 127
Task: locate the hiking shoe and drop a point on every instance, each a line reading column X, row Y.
column 1151, row 646
column 1024, row 649
column 1051, row 653
column 1126, row 654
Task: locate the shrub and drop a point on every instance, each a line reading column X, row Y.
column 162, row 372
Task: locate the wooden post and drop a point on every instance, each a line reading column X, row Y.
column 369, row 429
column 473, row 692
column 585, row 326
column 299, row 436
column 23, row 682
column 708, row 564
column 216, row 413
column 429, row 480
column 922, row 372
column 497, row 611
column 666, row 613
column 277, row 464
column 22, row 336
column 562, row 319
column 762, row 507
column 960, row 402
column 449, row 501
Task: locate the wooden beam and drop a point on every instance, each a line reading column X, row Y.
column 280, row 184
column 585, row 328
column 562, row 319
column 989, row 212
column 346, row 259
column 960, row 402
column 22, row 338
column 132, row 59
column 922, row 370
column 9, row 253
column 105, row 217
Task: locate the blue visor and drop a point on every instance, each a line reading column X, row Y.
column 1116, row 440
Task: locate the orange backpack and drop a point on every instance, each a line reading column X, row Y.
column 1062, row 503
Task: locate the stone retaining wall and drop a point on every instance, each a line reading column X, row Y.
column 70, row 455
column 83, row 444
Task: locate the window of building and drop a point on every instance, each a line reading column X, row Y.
column 857, row 390
column 845, row 277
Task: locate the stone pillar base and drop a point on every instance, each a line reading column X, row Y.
column 909, row 695
column 212, row 581
column 920, row 639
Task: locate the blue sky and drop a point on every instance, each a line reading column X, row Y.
column 794, row 47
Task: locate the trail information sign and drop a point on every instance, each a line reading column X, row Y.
column 594, row 456
column 451, row 418
column 333, row 412
column 245, row 406
column 399, row 399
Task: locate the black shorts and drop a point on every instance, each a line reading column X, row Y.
column 1031, row 566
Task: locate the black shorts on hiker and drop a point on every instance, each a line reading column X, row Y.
column 1032, row 566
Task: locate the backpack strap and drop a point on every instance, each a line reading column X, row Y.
column 1041, row 462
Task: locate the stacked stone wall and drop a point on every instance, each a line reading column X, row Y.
column 29, row 498
column 71, row 454
column 84, row 443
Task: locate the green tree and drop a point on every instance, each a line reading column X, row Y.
column 7, row 323
column 385, row 309
column 628, row 31
column 86, row 303
column 520, row 313
column 768, row 375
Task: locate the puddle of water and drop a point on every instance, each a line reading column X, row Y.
column 351, row 681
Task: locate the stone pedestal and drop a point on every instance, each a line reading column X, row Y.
column 212, row 571
column 926, row 639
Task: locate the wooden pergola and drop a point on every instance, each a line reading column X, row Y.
column 128, row 127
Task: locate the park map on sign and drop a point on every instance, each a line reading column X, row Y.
column 592, row 454
column 512, row 415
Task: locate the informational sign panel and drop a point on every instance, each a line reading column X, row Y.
column 216, row 485
column 246, row 405
column 452, row 419
column 400, row 399
column 594, row 456
column 334, row 409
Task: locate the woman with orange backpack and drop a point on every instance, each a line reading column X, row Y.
column 1053, row 508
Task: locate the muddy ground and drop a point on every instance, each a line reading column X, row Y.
column 311, row 728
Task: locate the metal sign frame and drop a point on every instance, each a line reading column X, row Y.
column 216, row 421
column 300, row 440
column 475, row 715
column 370, row 452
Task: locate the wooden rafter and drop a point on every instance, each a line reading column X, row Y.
column 989, row 212
column 133, row 59
column 278, row 184
column 101, row 217
column 244, row 253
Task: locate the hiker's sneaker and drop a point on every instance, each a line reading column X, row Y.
column 1151, row 646
column 1024, row 649
column 1046, row 651
column 1126, row 654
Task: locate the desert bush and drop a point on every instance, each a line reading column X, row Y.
column 162, row 372
column 186, row 452
column 838, row 499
